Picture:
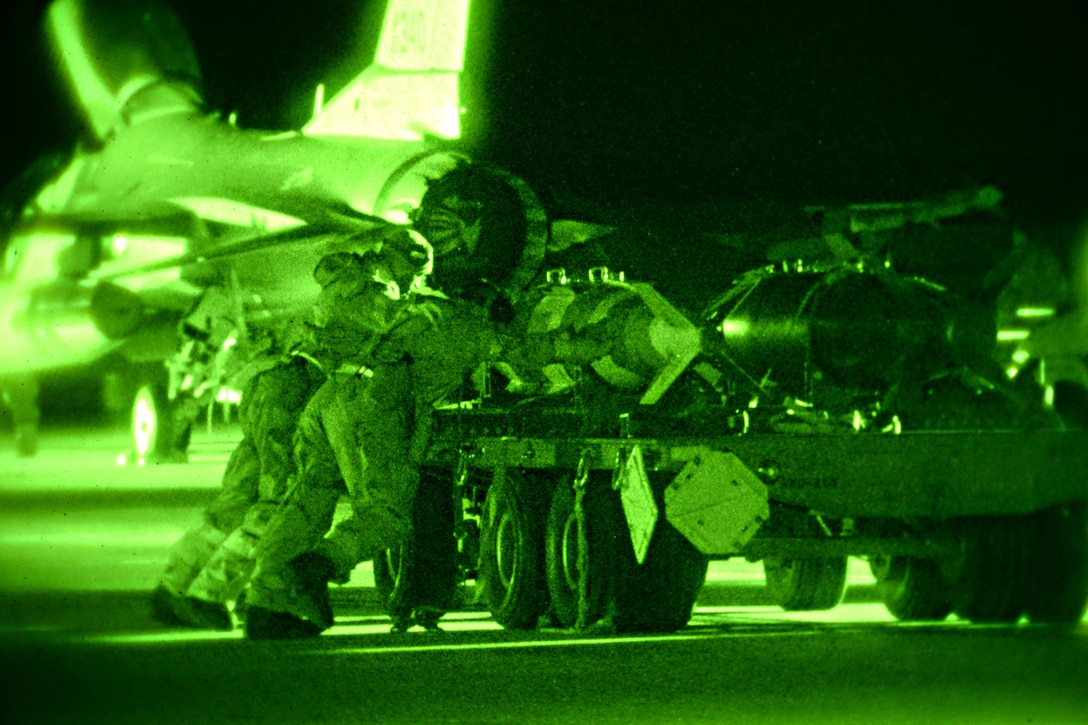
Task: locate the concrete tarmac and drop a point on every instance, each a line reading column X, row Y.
column 82, row 539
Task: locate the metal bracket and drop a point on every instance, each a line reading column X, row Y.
column 639, row 506
column 717, row 502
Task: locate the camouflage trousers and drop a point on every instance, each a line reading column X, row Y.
column 214, row 559
column 355, row 438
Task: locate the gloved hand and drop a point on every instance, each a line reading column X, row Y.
column 404, row 258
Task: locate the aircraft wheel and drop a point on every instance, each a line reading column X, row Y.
column 802, row 585
column 422, row 572
column 511, row 551
column 1059, row 566
column 911, row 588
column 990, row 576
column 152, row 423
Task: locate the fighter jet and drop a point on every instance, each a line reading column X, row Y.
column 167, row 215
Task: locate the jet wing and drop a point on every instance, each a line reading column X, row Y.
column 248, row 211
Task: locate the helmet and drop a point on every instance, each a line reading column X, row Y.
column 485, row 225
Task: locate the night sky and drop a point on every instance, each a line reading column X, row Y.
column 714, row 103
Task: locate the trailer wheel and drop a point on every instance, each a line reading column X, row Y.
column 911, row 588
column 584, row 554
column 561, row 552
column 990, row 577
column 803, row 585
column 660, row 594
column 422, row 572
column 1059, row 567
column 593, row 576
column 512, row 551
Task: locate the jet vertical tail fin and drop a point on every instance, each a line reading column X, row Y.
column 411, row 89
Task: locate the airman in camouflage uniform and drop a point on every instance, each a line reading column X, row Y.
column 368, row 425
column 210, row 564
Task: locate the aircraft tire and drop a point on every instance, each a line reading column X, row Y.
column 152, row 423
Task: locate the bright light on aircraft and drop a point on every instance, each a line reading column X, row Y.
column 1034, row 312
column 734, row 327
column 397, row 216
column 228, row 395
column 118, row 246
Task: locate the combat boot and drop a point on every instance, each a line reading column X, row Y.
column 166, row 607
column 427, row 617
column 203, row 614
column 266, row 624
column 424, row 616
column 401, row 623
column 313, row 572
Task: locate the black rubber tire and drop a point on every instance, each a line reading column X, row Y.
column 911, row 588
column 1059, row 565
column 152, row 424
column 422, row 572
column 512, row 550
column 561, row 551
column 658, row 595
column 805, row 585
column 992, row 576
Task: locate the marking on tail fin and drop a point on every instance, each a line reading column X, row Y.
column 411, row 90
column 424, row 35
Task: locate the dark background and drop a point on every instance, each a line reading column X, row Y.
column 704, row 105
